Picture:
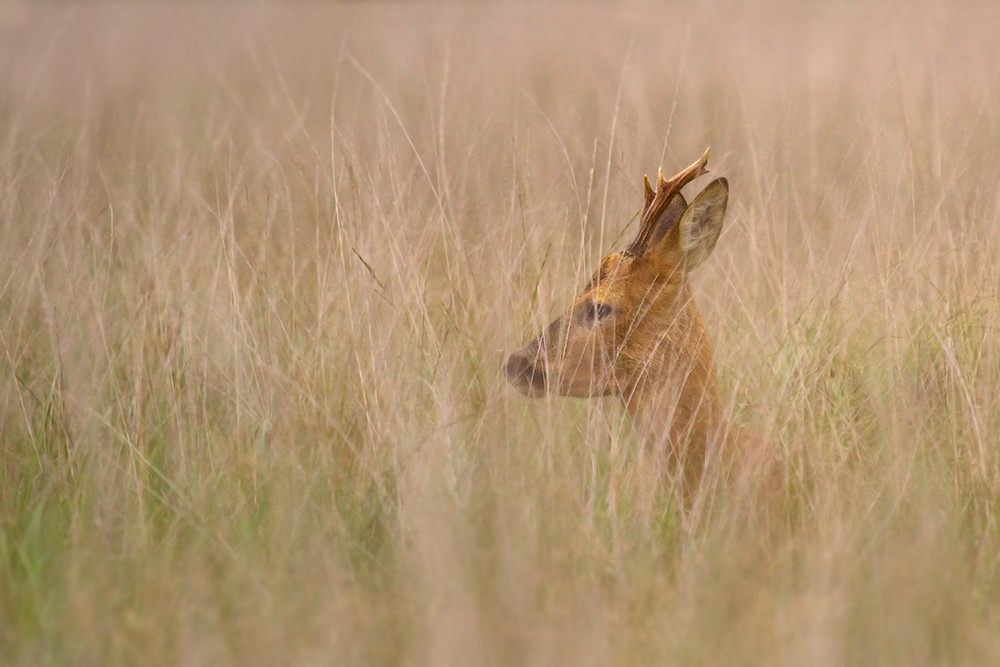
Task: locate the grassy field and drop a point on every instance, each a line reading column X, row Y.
column 260, row 268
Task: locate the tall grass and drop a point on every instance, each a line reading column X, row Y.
column 261, row 267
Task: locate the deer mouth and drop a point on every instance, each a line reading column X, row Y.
column 525, row 375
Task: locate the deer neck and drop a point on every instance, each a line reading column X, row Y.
column 674, row 400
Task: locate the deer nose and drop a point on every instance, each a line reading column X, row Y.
column 517, row 366
column 526, row 377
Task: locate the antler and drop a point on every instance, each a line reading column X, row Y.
column 657, row 202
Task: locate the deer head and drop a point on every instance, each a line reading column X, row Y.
column 634, row 331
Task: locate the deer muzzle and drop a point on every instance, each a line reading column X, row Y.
column 526, row 371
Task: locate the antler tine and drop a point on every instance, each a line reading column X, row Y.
column 649, row 194
column 657, row 203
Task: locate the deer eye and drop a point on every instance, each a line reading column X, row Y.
column 596, row 312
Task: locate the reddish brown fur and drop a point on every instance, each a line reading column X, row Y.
column 636, row 332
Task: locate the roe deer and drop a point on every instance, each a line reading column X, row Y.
column 635, row 332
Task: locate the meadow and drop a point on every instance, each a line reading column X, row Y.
column 261, row 266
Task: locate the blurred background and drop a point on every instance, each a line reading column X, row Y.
column 260, row 265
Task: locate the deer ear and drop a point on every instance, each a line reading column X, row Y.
column 701, row 224
column 668, row 220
